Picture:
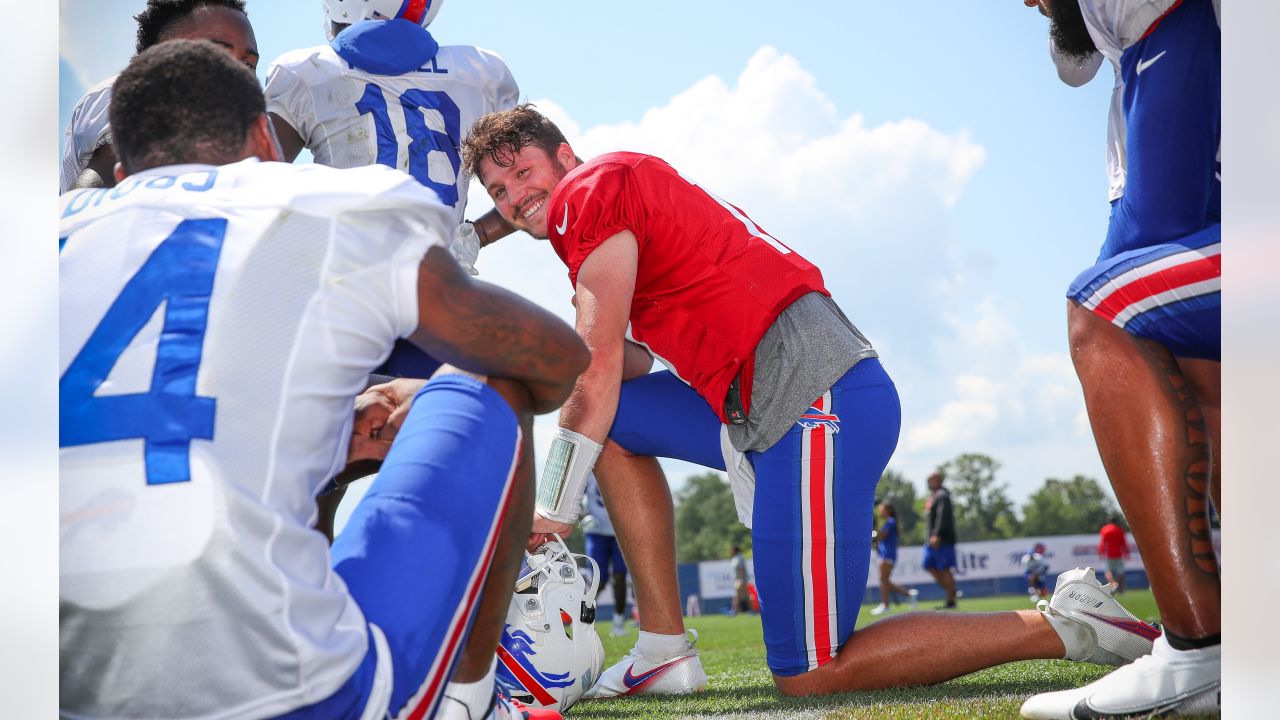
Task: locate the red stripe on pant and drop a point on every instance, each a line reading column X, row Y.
column 1170, row 278
column 818, row 539
column 434, row 684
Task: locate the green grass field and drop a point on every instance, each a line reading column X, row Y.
column 740, row 687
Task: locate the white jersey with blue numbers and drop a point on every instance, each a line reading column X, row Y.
column 415, row 122
column 88, row 130
column 215, row 324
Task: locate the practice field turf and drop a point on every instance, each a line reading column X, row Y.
column 740, row 687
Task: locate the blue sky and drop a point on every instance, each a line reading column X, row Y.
column 924, row 155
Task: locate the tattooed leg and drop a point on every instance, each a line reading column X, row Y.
column 1205, row 377
column 1154, row 442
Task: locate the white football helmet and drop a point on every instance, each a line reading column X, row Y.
column 346, row 12
column 550, row 653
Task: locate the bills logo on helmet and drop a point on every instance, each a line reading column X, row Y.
column 517, row 670
column 549, row 654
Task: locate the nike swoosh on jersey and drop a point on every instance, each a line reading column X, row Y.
column 564, row 224
column 1144, row 64
column 635, row 682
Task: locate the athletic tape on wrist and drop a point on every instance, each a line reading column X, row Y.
column 564, row 477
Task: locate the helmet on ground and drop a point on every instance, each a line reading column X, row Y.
column 550, row 653
column 346, row 12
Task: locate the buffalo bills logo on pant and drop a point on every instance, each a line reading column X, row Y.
column 815, row 418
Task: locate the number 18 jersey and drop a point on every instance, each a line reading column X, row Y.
column 414, row 121
column 215, row 324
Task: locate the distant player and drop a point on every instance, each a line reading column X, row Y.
column 88, row 159
column 1113, row 548
column 887, row 547
column 780, row 386
column 940, row 546
column 1035, row 568
column 1145, row 325
column 218, row 315
column 602, row 546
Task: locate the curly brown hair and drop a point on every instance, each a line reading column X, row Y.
column 500, row 135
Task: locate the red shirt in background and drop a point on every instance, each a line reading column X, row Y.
column 1111, row 542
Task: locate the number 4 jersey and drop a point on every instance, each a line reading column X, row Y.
column 215, row 324
column 366, row 105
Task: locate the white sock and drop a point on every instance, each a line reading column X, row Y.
column 660, row 647
column 475, row 695
column 1075, row 637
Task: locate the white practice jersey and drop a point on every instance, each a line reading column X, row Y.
column 88, row 130
column 415, row 122
column 215, row 324
column 1077, row 74
column 594, row 505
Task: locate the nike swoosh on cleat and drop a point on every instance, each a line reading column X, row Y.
column 1137, row 627
column 637, row 682
column 563, row 224
column 1144, row 64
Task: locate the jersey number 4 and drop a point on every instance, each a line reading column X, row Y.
column 178, row 274
column 422, row 139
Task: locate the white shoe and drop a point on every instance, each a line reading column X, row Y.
column 636, row 674
column 1093, row 626
column 879, row 609
column 1166, row 680
column 619, row 626
column 913, row 598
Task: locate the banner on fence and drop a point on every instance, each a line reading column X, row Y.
column 989, row 559
column 1003, row 558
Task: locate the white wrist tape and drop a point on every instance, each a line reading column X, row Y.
column 564, row 477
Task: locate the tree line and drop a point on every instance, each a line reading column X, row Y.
column 707, row 525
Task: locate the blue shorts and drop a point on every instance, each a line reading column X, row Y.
column 605, row 551
column 1039, row 582
column 418, row 547
column 815, row 492
column 939, row 558
column 1169, row 293
column 889, row 555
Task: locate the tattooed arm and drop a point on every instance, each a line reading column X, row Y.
column 488, row 330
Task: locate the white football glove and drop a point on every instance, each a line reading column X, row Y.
column 465, row 247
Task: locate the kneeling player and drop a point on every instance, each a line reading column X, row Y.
column 216, row 320
column 766, row 372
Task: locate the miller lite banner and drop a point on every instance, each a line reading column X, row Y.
column 991, row 559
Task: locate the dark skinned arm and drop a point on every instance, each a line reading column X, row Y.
column 488, row 330
column 290, row 141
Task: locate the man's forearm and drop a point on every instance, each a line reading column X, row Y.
column 593, row 404
column 491, row 227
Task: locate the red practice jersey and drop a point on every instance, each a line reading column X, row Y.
column 709, row 281
column 1112, row 543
